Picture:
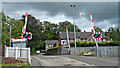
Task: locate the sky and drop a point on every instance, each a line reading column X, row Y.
column 105, row 14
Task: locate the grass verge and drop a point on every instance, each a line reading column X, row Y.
column 16, row 65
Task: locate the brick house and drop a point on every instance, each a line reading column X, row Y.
column 51, row 43
column 80, row 36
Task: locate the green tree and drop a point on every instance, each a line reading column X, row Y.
column 62, row 27
column 97, row 29
column 113, row 34
column 16, row 29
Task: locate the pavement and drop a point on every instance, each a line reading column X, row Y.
column 73, row 61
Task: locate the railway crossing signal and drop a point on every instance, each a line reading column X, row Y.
column 97, row 35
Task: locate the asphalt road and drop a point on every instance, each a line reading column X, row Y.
column 55, row 61
column 97, row 61
column 73, row 61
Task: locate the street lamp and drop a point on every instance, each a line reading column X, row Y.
column 10, row 28
column 73, row 6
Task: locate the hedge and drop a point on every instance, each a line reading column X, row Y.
column 92, row 44
column 54, row 47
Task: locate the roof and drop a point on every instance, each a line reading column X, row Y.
column 50, row 42
column 81, row 35
column 19, row 40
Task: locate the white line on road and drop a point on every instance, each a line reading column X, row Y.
column 73, row 60
column 37, row 58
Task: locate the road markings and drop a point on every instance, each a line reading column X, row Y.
column 65, row 58
column 36, row 58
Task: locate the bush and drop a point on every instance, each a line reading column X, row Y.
column 93, row 43
column 88, row 44
column 117, row 43
column 85, row 43
column 78, row 43
column 72, row 44
column 33, row 51
column 92, row 53
column 111, row 43
column 54, row 47
column 82, row 53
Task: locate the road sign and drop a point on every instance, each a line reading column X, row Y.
column 27, row 35
column 97, row 35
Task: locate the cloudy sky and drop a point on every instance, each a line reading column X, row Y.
column 105, row 14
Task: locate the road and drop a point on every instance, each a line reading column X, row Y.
column 55, row 61
column 73, row 61
column 97, row 61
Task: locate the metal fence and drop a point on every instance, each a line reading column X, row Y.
column 106, row 51
column 98, row 51
column 18, row 53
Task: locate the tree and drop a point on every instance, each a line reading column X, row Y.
column 41, row 31
column 113, row 34
column 97, row 29
column 16, row 29
column 62, row 27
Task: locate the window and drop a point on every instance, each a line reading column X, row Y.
column 19, row 44
column 77, row 39
column 63, row 41
column 104, row 40
column 89, row 40
column 98, row 40
column 71, row 40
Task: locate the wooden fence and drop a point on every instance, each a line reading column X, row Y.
column 18, row 53
column 98, row 51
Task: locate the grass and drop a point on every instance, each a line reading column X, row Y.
column 54, row 47
column 82, row 53
column 16, row 65
column 0, row 65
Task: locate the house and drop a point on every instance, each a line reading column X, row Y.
column 80, row 36
column 51, row 43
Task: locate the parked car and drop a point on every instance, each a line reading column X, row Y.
column 42, row 52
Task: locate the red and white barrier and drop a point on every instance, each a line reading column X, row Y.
column 68, row 38
column 93, row 27
column 24, row 30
